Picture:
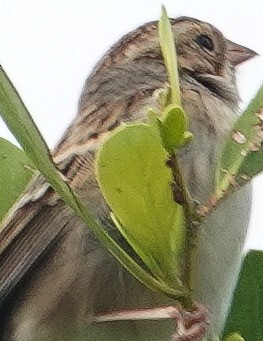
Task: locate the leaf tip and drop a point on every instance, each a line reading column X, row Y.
column 163, row 9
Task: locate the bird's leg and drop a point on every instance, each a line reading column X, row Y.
column 159, row 313
column 191, row 325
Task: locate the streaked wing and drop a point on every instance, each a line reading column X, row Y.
column 40, row 225
column 35, row 223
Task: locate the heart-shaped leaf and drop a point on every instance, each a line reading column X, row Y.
column 136, row 183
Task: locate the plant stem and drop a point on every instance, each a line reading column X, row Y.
column 192, row 223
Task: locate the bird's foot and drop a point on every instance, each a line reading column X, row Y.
column 192, row 325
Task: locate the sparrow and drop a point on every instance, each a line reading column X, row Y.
column 55, row 276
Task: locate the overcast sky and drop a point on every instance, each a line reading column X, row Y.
column 48, row 47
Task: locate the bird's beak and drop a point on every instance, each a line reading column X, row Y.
column 238, row 54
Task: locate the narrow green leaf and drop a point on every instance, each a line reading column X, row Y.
column 246, row 315
column 167, row 42
column 135, row 181
column 15, row 172
column 242, row 157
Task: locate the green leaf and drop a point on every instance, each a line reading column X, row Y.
column 15, row 172
column 173, row 125
column 246, row 315
column 242, row 157
column 167, row 42
column 21, row 124
column 234, row 337
column 135, row 181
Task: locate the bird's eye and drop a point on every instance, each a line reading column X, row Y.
column 204, row 41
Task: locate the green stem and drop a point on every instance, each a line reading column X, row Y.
column 191, row 227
